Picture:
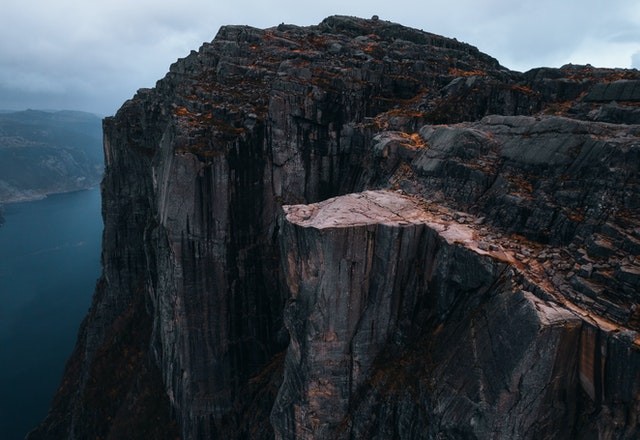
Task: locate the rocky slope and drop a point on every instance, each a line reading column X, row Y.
column 255, row 286
column 45, row 153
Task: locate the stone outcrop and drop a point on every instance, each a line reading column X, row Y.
column 361, row 230
column 623, row 90
column 406, row 324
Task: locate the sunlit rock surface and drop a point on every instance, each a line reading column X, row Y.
column 361, row 230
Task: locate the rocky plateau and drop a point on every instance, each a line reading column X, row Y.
column 358, row 230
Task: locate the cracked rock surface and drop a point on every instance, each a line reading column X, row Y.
column 362, row 230
column 402, row 325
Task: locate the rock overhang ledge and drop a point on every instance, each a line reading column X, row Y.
column 380, row 207
column 210, row 152
column 358, row 209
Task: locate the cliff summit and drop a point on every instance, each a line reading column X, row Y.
column 362, row 230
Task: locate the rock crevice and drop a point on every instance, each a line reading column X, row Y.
column 457, row 256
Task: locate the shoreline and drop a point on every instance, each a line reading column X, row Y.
column 41, row 196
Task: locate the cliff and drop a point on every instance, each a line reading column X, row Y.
column 44, row 153
column 361, row 230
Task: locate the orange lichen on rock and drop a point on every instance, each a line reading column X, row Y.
column 465, row 73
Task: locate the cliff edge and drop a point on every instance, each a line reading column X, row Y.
column 362, row 230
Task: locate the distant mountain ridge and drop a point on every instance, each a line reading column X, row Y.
column 48, row 152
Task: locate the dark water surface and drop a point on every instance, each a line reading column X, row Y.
column 49, row 264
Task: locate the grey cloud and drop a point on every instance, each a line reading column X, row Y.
column 94, row 55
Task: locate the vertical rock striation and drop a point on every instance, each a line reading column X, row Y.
column 402, row 326
column 494, row 296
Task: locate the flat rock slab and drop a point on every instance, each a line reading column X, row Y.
column 389, row 208
column 382, row 207
column 360, row 209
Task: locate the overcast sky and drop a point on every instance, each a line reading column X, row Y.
column 92, row 55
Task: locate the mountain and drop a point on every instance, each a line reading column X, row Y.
column 362, row 230
column 45, row 153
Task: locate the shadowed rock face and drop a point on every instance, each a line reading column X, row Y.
column 406, row 324
column 487, row 288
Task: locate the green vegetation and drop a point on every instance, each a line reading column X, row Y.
column 48, row 152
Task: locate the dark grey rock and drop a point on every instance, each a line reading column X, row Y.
column 623, row 90
column 424, row 326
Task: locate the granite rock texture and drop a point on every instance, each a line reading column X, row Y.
column 362, row 230
column 406, row 325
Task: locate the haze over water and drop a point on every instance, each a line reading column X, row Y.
column 49, row 264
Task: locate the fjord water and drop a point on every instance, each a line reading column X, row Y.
column 49, row 264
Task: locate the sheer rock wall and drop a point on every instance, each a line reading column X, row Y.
column 523, row 326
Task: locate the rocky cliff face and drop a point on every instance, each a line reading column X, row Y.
column 361, row 230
